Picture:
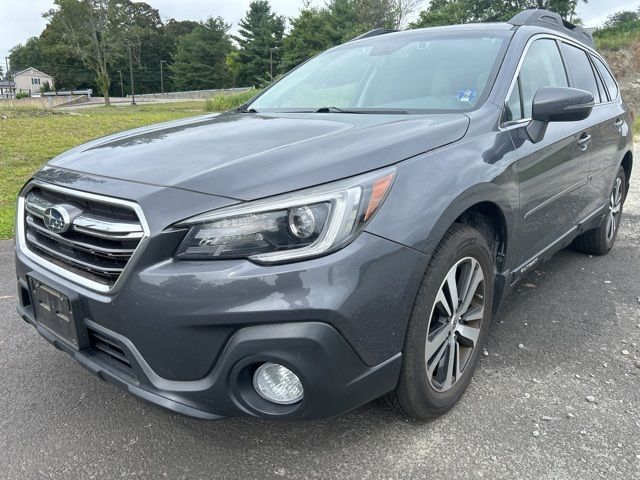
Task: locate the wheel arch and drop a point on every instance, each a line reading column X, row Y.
column 489, row 219
column 487, row 208
column 627, row 164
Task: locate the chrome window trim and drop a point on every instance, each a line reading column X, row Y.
column 606, row 66
column 62, row 272
column 540, row 36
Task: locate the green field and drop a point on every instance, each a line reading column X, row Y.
column 615, row 40
column 30, row 137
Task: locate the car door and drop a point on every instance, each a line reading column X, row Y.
column 609, row 130
column 582, row 76
column 553, row 172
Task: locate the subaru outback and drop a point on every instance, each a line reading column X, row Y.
column 347, row 234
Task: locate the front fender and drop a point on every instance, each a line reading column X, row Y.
column 432, row 190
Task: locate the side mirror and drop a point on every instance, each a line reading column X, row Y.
column 557, row 104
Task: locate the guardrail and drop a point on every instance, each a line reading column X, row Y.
column 187, row 95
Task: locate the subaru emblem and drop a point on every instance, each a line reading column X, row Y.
column 57, row 219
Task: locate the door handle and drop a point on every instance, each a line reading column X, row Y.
column 583, row 141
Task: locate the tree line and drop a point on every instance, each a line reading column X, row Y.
column 100, row 43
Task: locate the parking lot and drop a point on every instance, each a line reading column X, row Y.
column 557, row 395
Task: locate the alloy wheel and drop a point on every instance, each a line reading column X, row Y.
column 615, row 206
column 455, row 324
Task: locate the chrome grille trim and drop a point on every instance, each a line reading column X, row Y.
column 96, row 225
column 31, row 209
column 88, row 247
column 90, row 267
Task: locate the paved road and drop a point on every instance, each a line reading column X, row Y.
column 573, row 317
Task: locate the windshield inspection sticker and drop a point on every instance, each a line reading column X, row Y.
column 467, row 96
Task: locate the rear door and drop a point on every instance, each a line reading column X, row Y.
column 610, row 131
column 552, row 173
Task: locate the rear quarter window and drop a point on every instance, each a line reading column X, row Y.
column 609, row 81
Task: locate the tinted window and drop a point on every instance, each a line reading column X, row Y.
column 513, row 109
column 430, row 71
column 581, row 72
column 603, row 91
column 541, row 67
column 606, row 76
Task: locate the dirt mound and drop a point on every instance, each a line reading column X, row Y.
column 625, row 64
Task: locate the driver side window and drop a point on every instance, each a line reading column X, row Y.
column 542, row 67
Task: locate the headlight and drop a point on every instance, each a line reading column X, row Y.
column 297, row 225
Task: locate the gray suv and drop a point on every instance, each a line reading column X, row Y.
column 347, row 234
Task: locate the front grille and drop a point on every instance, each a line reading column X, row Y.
column 99, row 242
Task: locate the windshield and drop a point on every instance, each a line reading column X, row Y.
column 425, row 71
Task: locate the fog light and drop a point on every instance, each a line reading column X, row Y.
column 277, row 384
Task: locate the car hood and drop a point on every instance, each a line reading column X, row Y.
column 248, row 156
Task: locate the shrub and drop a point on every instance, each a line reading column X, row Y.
column 222, row 102
column 20, row 95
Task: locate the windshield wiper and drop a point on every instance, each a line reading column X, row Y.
column 382, row 111
column 246, row 110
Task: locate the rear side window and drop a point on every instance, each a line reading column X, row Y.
column 607, row 77
column 542, row 67
column 603, row 91
column 582, row 74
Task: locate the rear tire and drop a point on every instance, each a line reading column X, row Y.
column 600, row 240
column 448, row 325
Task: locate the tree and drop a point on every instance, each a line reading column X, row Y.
column 28, row 55
column 260, row 39
column 98, row 31
column 623, row 20
column 309, row 35
column 200, row 61
column 443, row 12
column 448, row 12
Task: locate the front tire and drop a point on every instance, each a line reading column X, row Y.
column 448, row 325
column 600, row 240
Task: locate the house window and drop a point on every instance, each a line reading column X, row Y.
column 35, row 81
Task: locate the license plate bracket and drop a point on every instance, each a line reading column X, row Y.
column 54, row 311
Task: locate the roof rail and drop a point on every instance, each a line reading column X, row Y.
column 547, row 19
column 374, row 33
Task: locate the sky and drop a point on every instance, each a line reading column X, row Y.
column 18, row 24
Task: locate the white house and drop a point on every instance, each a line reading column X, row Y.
column 30, row 80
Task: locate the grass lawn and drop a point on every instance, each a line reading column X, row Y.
column 30, row 137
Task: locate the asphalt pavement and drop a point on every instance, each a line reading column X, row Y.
column 557, row 396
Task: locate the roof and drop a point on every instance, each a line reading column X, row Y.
column 31, row 68
column 6, row 84
column 532, row 18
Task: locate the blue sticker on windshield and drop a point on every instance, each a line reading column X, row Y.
column 467, row 96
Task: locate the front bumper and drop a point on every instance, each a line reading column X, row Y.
column 335, row 380
column 194, row 332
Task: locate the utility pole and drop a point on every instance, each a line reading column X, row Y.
column 133, row 93
column 162, row 77
column 6, row 62
column 121, row 84
column 271, row 63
